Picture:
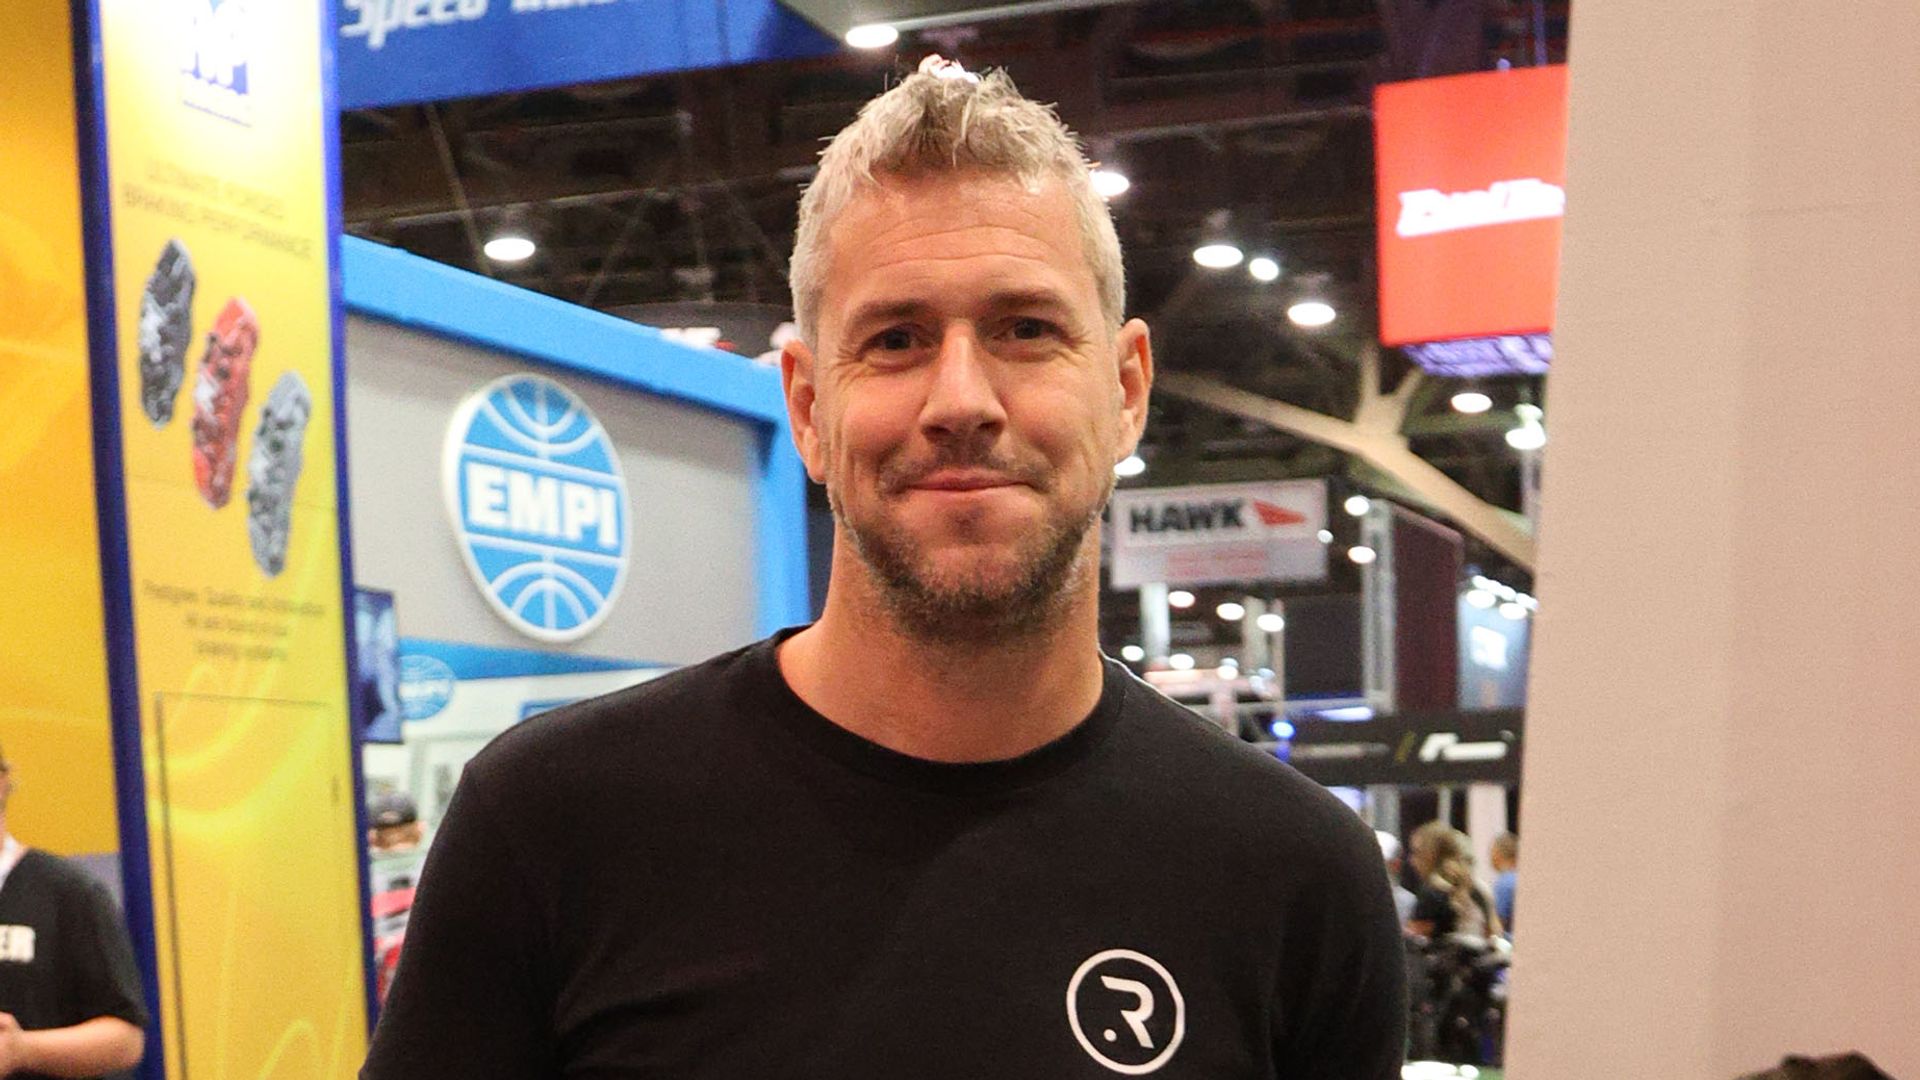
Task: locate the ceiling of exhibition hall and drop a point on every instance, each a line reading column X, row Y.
column 1241, row 119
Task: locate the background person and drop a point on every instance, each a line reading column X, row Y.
column 1390, row 851
column 1449, row 901
column 70, row 1000
column 1505, row 860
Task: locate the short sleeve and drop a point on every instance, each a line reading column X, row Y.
column 1344, row 1001
column 104, row 980
column 468, row 999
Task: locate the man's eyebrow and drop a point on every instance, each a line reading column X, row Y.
column 1015, row 299
column 1004, row 300
column 887, row 310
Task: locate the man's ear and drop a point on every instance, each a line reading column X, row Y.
column 796, row 379
column 1133, row 355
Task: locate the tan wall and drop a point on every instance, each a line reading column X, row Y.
column 1723, row 864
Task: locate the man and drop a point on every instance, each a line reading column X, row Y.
column 70, row 1001
column 1390, row 856
column 935, row 834
column 1505, row 860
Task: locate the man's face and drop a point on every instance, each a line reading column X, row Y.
column 965, row 400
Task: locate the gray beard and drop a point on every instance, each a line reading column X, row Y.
column 949, row 610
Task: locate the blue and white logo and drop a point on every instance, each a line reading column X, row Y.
column 540, row 506
column 215, row 59
column 426, row 685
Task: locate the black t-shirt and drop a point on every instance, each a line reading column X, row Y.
column 1434, row 904
column 64, row 953
column 701, row 877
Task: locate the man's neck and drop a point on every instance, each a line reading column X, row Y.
column 958, row 702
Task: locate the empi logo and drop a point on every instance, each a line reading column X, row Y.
column 216, row 54
column 538, row 501
column 1126, row 1011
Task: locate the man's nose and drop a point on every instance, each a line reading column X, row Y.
column 963, row 400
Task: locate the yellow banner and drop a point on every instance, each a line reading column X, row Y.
column 53, row 680
column 219, row 192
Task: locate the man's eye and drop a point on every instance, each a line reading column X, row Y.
column 897, row 339
column 1030, row 329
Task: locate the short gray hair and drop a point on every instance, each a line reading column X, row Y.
column 944, row 121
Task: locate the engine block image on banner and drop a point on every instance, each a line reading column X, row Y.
column 166, row 331
column 274, row 468
column 219, row 397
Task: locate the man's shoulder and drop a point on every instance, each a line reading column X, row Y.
column 672, row 711
column 1213, row 771
column 59, row 877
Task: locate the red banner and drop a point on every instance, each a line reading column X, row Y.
column 1471, row 175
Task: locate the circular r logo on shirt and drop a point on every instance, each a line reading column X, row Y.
column 1126, row 1011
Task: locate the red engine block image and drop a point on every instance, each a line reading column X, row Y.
column 219, row 397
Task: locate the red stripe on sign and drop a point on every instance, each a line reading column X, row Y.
column 1277, row 515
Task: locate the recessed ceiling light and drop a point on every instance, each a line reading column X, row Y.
column 1132, row 654
column 1311, row 313
column 872, row 36
column 1217, row 256
column 1362, row 554
column 1272, row 622
column 1471, row 402
column 1263, row 269
column 1231, row 611
column 1131, row 465
column 1110, row 183
column 509, row 248
column 1528, row 436
column 1180, row 598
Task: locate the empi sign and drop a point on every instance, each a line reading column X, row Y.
column 1215, row 533
column 539, row 505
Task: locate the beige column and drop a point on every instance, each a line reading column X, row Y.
column 1723, row 749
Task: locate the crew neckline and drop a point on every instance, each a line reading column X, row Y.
column 974, row 778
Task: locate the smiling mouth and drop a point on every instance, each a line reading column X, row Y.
column 962, row 483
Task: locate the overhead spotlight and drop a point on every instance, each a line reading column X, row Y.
column 1528, row 436
column 1513, row 610
column 1231, row 611
column 1131, row 465
column 1358, row 505
column 1180, row 598
column 1218, row 256
column 872, row 36
column 1227, row 671
column 1362, row 554
column 1311, row 313
column 1471, row 402
column 1282, row 729
column 1264, row 269
column 1532, row 433
column 1132, row 654
column 1272, row 622
column 509, row 248
column 1110, row 183
column 1325, row 536
column 1180, row 662
column 1481, row 599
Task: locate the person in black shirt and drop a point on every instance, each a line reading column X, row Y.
column 1450, row 901
column 934, row 834
column 70, row 1001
